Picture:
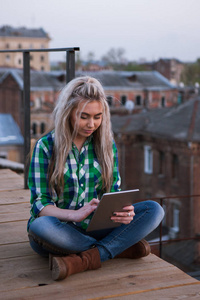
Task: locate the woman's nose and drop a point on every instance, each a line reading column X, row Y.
column 90, row 123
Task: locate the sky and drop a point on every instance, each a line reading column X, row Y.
column 146, row 29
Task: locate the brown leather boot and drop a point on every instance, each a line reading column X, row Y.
column 62, row 267
column 138, row 250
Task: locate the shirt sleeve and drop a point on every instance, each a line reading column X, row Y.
column 116, row 176
column 38, row 179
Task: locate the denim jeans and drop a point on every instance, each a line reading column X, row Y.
column 58, row 237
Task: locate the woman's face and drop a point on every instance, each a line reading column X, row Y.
column 86, row 119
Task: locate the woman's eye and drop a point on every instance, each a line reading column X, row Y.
column 83, row 118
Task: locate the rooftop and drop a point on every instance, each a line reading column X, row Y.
column 9, row 31
column 25, row 273
column 9, row 131
column 180, row 122
column 39, row 80
column 150, row 80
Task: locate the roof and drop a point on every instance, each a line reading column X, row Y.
column 40, row 80
column 9, row 131
column 181, row 122
column 111, row 80
column 139, row 80
column 9, row 31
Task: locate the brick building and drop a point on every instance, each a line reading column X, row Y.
column 159, row 153
column 24, row 38
column 44, row 91
column 147, row 89
column 170, row 68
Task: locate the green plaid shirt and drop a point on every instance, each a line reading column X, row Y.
column 82, row 177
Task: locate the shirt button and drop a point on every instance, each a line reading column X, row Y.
column 81, row 184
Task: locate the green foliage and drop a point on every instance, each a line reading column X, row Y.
column 191, row 73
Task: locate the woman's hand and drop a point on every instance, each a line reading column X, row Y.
column 124, row 217
column 83, row 212
column 69, row 215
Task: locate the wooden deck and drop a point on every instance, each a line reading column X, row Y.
column 25, row 275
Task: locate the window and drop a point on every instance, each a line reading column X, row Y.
column 174, row 166
column 161, row 163
column 110, row 100
column 163, row 101
column 42, row 68
column 138, row 100
column 34, row 129
column 123, row 99
column 19, row 46
column 7, row 58
column 42, row 58
column 148, row 160
column 7, row 46
column 19, row 61
column 42, row 128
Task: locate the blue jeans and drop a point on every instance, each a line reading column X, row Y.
column 58, row 237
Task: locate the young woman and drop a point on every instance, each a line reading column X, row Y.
column 71, row 167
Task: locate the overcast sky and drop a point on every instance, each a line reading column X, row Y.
column 148, row 29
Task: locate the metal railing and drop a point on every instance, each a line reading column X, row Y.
column 162, row 242
column 70, row 74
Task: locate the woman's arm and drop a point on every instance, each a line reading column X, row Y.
column 68, row 215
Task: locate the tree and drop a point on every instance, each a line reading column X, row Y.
column 115, row 58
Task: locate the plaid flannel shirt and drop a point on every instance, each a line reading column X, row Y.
column 82, row 178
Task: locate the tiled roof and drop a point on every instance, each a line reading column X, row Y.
column 9, row 131
column 180, row 123
column 22, row 32
column 39, row 80
column 150, row 80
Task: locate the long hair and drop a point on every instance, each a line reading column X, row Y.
column 82, row 89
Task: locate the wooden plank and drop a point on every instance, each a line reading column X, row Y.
column 12, row 270
column 16, row 250
column 187, row 292
column 14, row 212
column 10, row 180
column 13, row 232
column 25, row 275
column 14, row 196
column 117, row 278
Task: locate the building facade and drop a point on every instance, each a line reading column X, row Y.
column 170, row 68
column 23, row 38
column 159, row 153
column 145, row 89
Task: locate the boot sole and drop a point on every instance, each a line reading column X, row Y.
column 59, row 269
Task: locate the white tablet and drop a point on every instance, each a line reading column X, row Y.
column 109, row 203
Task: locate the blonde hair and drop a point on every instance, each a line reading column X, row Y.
column 81, row 89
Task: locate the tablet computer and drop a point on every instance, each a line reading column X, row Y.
column 109, row 203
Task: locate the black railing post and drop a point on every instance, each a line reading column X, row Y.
column 27, row 142
column 70, row 65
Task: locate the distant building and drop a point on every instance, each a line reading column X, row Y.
column 24, row 38
column 170, row 68
column 43, row 94
column 11, row 139
column 159, row 153
column 146, row 89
